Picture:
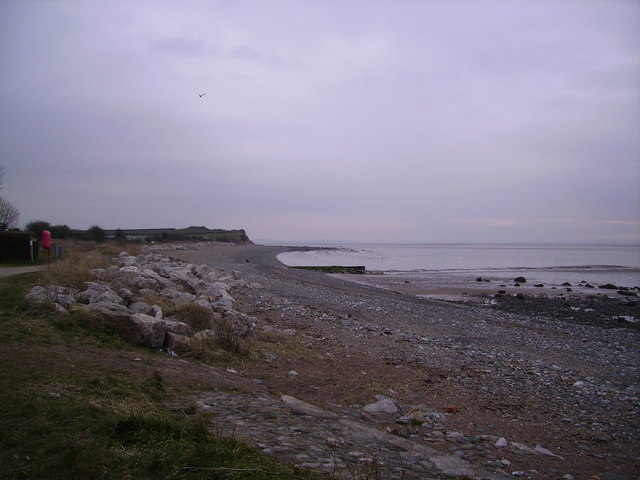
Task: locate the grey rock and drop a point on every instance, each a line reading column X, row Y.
column 37, row 294
column 139, row 307
column 183, row 299
column 177, row 342
column 386, row 405
column 125, row 294
column 103, row 308
column 51, row 294
column 60, row 309
column 203, row 303
column 142, row 307
column 109, row 296
column 129, row 261
column 180, row 328
column 98, row 292
column 241, row 324
column 452, row 465
column 544, row 451
column 502, row 442
column 171, row 293
column 145, row 330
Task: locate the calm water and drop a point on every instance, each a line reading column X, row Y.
column 550, row 264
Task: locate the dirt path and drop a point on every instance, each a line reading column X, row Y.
column 9, row 271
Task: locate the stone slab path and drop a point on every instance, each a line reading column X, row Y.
column 322, row 441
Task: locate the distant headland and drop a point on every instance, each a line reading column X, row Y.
column 194, row 233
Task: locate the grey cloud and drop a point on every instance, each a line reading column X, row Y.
column 184, row 46
column 393, row 117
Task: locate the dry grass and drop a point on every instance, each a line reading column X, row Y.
column 227, row 339
column 163, row 302
column 224, row 344
column 79, row 258
column 75, row 270
column 196, row 316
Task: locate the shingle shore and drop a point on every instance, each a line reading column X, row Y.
column 566, row 391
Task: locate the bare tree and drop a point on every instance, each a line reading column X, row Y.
column 9, row 215
column 1, row 176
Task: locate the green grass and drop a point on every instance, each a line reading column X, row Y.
column 69, row 413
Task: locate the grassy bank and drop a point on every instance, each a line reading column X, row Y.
column 74, row 406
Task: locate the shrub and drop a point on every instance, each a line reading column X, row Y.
column 37, row 227
column 97, row 234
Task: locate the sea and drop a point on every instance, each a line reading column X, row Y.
column 462, row 265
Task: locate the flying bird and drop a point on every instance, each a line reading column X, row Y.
column 202, row 94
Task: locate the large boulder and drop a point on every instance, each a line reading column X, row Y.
column 182, row 299
column 141, row 278
column 142, row 307
column 102, row 308
column 241, row 324
column 176, row 342
column 54, row 294
column 179, row 328
column 142, row 329
column 384, row 405
column 173, row 292
column 128, row 261
column 98, row 292
column 151, row 279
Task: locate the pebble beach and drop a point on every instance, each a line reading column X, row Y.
column 502, row 386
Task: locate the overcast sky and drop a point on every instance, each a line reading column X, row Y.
column 409, row 120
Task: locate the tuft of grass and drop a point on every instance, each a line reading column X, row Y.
column 224, row 344
column 196, row 316
column 227, row 339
